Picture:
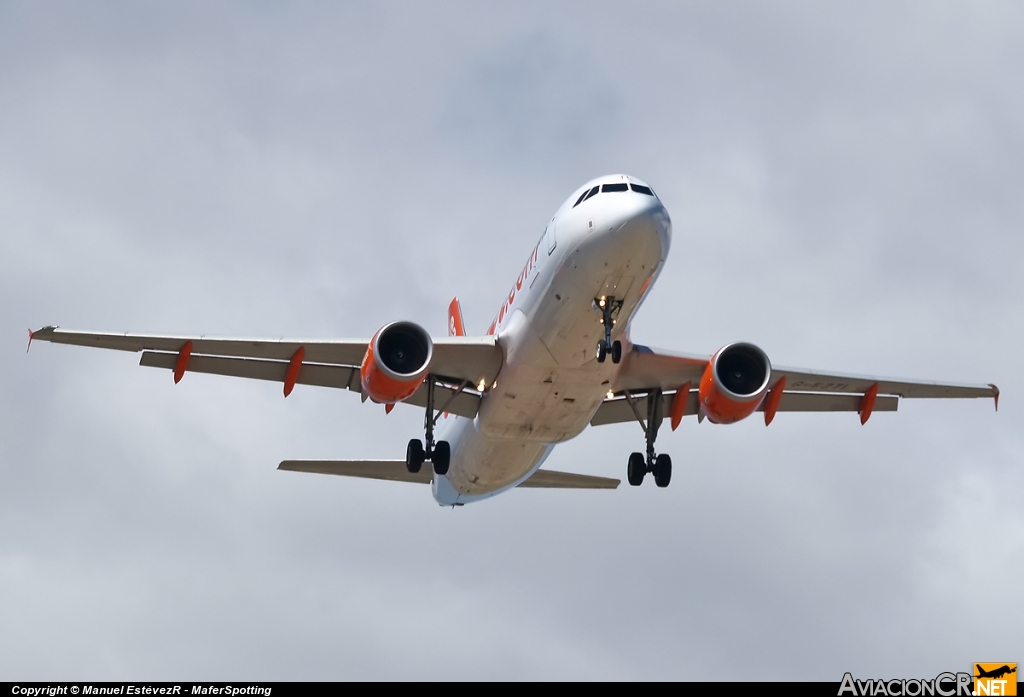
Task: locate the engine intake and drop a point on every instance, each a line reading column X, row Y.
column 734, row 383
column 396, row 361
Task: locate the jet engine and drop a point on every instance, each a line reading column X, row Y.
column 395, row 363
column 735, row 383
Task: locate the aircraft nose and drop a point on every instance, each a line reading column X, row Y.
column 641, row 220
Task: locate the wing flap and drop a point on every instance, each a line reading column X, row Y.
column 336, row 376
column 617, row 410
column 463, row 404
column 815, row 402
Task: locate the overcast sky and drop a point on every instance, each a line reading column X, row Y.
column 845, row 182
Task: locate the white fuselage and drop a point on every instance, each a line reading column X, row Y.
column 550, row 383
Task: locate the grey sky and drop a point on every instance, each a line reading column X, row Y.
column 845, row 184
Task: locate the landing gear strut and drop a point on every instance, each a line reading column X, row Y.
column 439, row 453
column 608, row 306
column 659, row 465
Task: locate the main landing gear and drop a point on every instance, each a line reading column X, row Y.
column 439, row 453
column 607, row 306
column 658, row 465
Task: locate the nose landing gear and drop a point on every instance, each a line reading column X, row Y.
column 607, row 307
column 658, row 465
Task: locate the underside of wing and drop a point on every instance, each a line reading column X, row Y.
column 459, row 361
column 340, row 352
column 395, row 471
column 645, row 368
column 647, row 373
column 461, row 402
column 798, row 380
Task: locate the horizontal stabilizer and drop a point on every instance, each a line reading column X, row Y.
column 395, row 471
column 389, row 470
column 550, row 479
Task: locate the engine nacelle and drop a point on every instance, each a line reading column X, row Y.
column 734, row 383
column 396, row 361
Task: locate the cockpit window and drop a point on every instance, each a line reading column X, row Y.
column 585, row 195
column 639, row 188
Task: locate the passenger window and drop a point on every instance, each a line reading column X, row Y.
column 614, row 187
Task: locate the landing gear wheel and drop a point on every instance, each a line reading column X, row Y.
column 441, row 457
column 602, row 351
column 414, row 456
column 616, row 352
column 663, row 470
column 636, row 470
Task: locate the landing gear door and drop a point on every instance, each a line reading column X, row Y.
column 549, row 235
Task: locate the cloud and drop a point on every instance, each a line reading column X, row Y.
column 841, row 181
column 534, row 102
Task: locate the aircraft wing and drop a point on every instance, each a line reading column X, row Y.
column 395, row 471
column 327, row 363
column 645, row 370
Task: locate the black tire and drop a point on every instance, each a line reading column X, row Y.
column 636, row 469
column 663, row 471
column 602, row 351
column 616, row 352
column 414, row 456
column 442, row 457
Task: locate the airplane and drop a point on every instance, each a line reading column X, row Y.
column 995, row 673
column 557, row 357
